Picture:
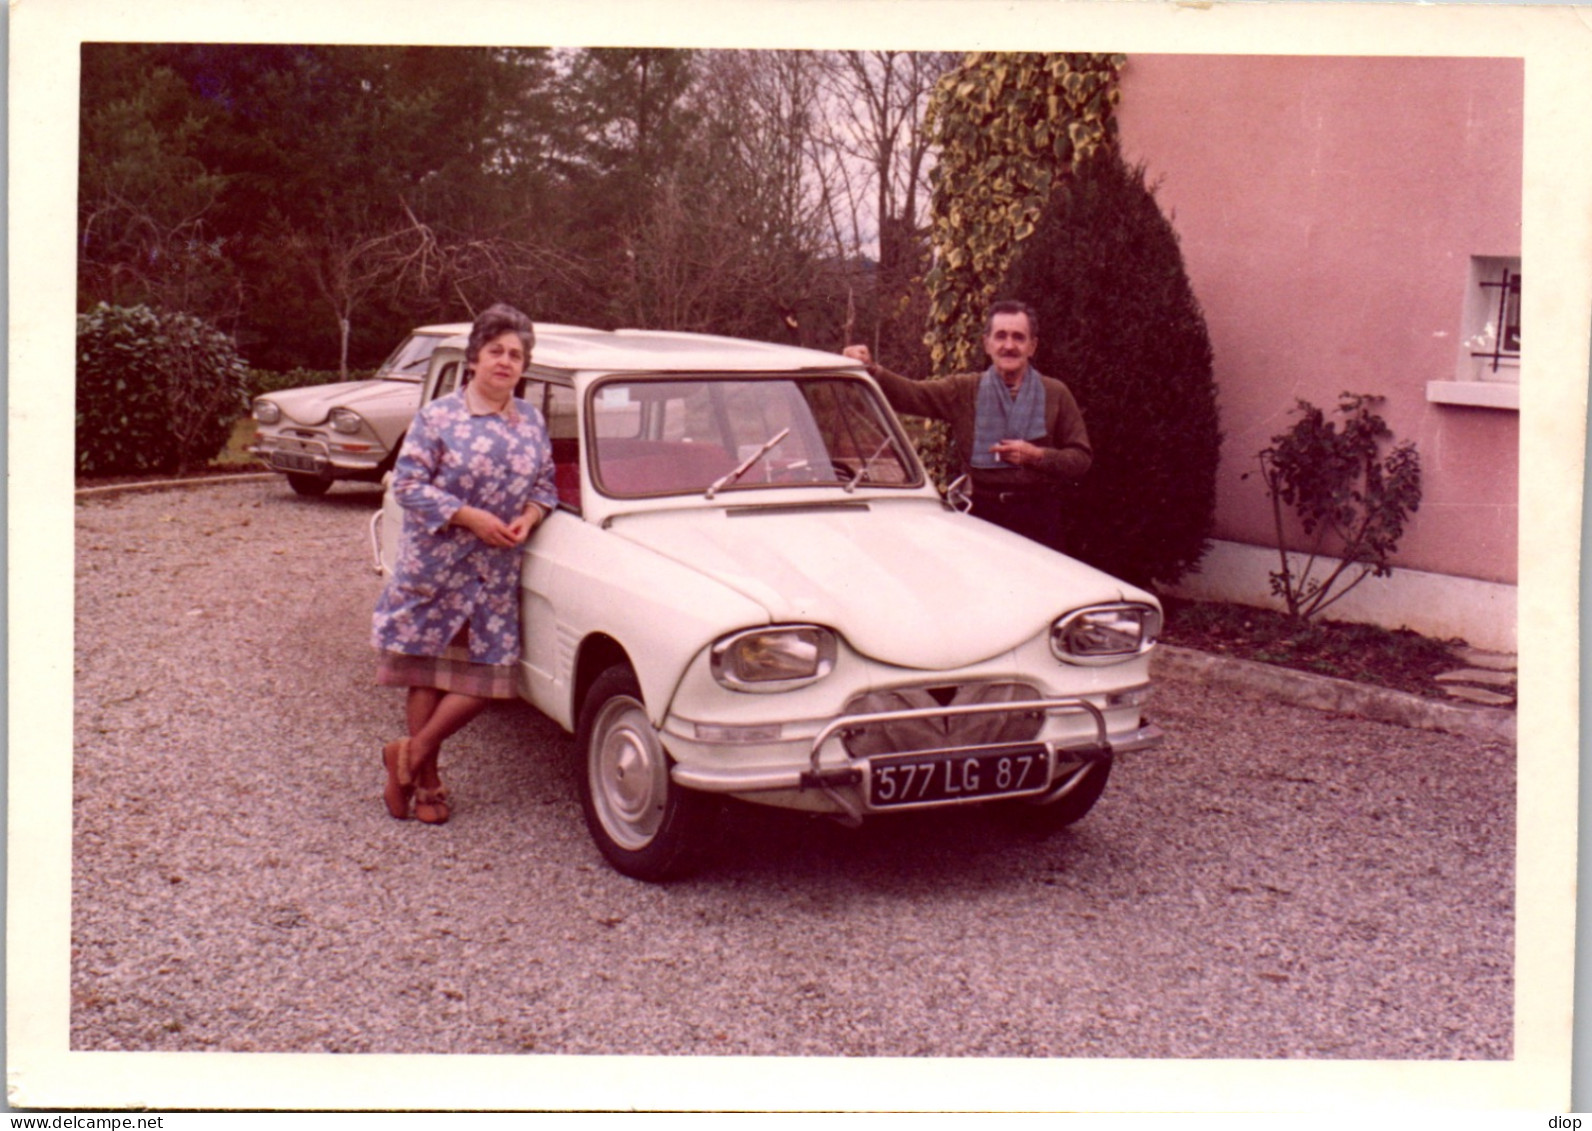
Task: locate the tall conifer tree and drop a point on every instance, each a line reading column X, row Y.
column 1119, row 323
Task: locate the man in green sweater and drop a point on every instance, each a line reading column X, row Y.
column 1017, row 433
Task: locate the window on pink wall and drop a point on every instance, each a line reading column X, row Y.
column 1487, row 369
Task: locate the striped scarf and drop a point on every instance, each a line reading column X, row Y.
column 1001, row 416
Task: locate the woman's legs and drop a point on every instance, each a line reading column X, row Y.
column 433, row 716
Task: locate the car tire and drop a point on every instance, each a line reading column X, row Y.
column 391, row 460
column 1071, row 807
column 644, row 824
column 310, row 486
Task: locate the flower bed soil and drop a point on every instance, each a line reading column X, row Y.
column 1397, row 659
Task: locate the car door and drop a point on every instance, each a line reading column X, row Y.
column 442, row 377
column 546, row 655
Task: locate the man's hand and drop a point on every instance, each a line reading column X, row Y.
column 859, row 352
column 1018, row 453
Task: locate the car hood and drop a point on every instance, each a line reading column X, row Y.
column 906, row 582
column 311, row 403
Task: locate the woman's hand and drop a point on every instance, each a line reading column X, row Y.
column 521, row 527
column 489, row 527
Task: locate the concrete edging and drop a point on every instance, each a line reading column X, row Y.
column 157, row 484
column 1327, row 693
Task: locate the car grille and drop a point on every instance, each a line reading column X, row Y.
column 901, row 736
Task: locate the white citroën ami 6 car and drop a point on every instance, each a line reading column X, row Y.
column 751, row 589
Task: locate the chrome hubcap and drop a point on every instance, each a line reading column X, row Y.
column 629, row 774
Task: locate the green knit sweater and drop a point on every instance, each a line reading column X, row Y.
column 953, row 399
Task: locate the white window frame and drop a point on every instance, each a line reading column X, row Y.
column 1487, row 372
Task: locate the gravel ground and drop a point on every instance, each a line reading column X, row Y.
column 1271, row 883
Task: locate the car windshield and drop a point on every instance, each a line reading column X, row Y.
column 408, row 362
column 691, row 435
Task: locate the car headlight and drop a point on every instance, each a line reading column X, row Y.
column 1103, row 634
column 346, row 421
column 267, row 412
column 773, row 659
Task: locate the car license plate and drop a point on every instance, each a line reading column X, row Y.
column 957, row 775
column 292, row 461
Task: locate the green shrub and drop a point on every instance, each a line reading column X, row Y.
column 1119, row 324
column 156, row 392
column 1352, row 490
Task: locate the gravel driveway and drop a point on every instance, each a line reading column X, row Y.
column 1271, row 883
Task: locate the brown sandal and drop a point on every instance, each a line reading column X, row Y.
column 400, row 782
column 431, row 806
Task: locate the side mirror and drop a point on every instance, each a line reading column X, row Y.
column 956, row 494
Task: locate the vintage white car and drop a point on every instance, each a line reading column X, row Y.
column 751, row 589
column 318, row 434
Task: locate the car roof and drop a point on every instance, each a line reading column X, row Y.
column 666, row 351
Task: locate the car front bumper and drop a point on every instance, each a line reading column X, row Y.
column 310, row 454
column 830, row 778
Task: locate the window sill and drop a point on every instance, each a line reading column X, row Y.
column 1476, row 394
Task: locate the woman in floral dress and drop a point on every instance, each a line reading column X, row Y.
column 475, row 477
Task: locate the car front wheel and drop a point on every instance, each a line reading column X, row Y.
column 646, row 826
column 310, row 486
column 1086, row 786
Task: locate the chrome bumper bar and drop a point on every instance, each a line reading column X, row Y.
column 758, row 779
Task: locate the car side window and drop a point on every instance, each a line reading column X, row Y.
column 447, row 380
column 410, row 359
column 557, row 402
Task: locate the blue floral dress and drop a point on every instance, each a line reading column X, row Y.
column 448, row 616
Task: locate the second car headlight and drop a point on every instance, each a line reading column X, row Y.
column 777, row 658
column 346, row 421
column 1105, row 633
column 267, row 412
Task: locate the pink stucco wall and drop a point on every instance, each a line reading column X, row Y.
column 1328, row 209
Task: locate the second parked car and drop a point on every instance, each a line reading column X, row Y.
column 319, row 434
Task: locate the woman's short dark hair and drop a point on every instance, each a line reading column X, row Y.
column 495, row 321
column 1011, row 306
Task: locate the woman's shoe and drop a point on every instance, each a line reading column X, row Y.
column 431, row 806
column 400, row 786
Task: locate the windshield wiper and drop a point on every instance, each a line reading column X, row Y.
column 862, row 468
column 730, row 478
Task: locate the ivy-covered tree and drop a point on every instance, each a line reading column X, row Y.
column 1119, row 323
column 1009, row 128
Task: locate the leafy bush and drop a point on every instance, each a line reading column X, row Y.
column 156, row 392
column 1119, row 324
column 1351, row 499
